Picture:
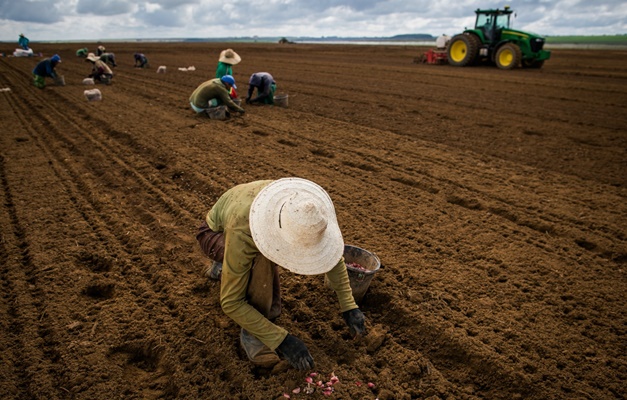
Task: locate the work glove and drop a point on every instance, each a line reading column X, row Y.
column 356, row 321
column 295, row 352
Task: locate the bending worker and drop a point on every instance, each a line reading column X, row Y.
column 265, row 85
column 108, row 58
column 253, row 229
column 213, row 93
column 140, row 60
column 100, row 71
column 45, row 68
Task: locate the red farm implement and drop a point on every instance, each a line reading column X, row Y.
column 433, row 56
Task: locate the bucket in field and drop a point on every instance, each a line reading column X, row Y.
column 361, row 266
column 105, row 79
column 218, row 113
column 59, row 80
column 88, row 81
column 93, row 95
column 237, row 101
column 161, row 69
column 281, row 100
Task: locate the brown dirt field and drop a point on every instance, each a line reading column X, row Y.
column 496, row 201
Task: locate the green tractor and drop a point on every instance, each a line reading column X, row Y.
column 492, row 40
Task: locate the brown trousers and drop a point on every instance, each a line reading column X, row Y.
column 264, row 285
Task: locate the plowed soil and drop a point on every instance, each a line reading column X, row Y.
column 496, row 201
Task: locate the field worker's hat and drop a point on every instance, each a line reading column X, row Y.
column 55, row 58
column 101, row 48
column 21, row 34
column 228, row 56
column 229, row 79
column 92, row 57
column 293, row 224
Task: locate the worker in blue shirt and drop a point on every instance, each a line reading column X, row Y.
column 45, row 69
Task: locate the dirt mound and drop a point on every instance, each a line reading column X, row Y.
column 496, row 201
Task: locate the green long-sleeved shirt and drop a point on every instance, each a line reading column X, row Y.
column 212, row 89
column 223, row 69
column 230, row 215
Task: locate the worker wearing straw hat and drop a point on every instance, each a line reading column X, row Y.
column 227, row 59
column 100, row 70
column 253, row 229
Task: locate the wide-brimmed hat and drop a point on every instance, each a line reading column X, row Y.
column 228, row 56
column 293, row 224
column 91, row 57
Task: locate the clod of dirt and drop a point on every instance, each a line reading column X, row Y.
column 375, row 338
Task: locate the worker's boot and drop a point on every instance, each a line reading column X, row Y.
column 257, row 352
column 213, row 271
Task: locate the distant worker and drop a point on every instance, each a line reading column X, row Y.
column 213, row 93
column 227, row 59
column 82, row 53
column 101, row 50
column 442, row 41
column 23, row 41
column 265, row 85
column 140, row 60
column 45, row 69
column 108, row 58
column 100, row 70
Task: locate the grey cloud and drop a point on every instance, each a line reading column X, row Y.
column 104, row 7
column 30, row 11
column 171, row 4
column 171, row 18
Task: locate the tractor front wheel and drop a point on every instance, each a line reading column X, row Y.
column 508, row 56
column 462, row 50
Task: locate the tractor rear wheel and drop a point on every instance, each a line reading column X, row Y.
column 508, row 56
column 462, row 50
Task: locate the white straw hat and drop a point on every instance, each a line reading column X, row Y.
column 228, row 56
column 293, row 224
column 91, row 57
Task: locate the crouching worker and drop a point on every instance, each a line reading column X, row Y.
column 100, row 71
column 265, row 85
column 140, row 60
column 251, row 231
column 214, row 93
column 108, row 58
column 45, row 69
column 82, row 53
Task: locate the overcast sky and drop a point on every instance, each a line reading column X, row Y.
column 129, row 19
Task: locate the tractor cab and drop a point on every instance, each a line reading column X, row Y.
column 490, row 23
